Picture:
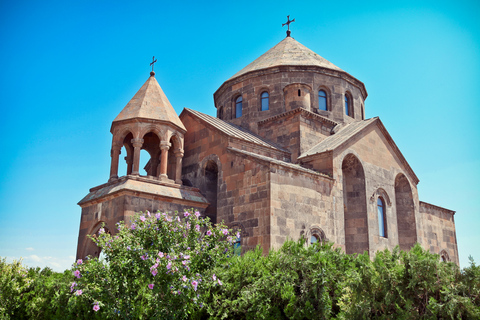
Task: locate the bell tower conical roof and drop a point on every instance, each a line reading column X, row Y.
column 150, row 102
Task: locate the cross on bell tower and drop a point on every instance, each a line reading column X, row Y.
column 152, row 64
column 288, row 25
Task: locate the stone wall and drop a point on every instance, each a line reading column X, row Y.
column 440, row 230
column 300, row 202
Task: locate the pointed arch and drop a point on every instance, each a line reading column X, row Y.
column 355, row 205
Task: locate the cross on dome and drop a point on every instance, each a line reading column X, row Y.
column 288, row 25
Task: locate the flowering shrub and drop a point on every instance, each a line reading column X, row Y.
column 158, row 267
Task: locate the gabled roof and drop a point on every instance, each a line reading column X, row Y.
column 233, row 131
column 279, row 162
column 334, row 141
column 288, row 52
column 346, row 133
column 150, row 103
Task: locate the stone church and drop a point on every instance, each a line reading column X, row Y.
column 289, row 155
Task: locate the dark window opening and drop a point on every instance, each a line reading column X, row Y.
column 238, row 107
column 299, row 92
column 265, row 101
column 322, row 100
column 382, row 226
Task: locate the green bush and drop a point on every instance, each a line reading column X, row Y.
column 180, row 266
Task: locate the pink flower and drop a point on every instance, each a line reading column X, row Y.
column 186, row 214
column 158, row 215
column 238, row 234
column 154, row 272
column 197, row 227
column 169, row 266
column 148, row 213
column 150, row 286
column 77, row 274
column 197, row 214
column 219, row 282
column 142, row 218
column 144, row 257
column 133, row 226
column 209, row 233
column 78, row 292
column 214, row 277
column 79, row 261
column 194, row 284
column 184, row 278
column 74, row 284
column 178, row 219
column 101, row 230
column 225, row 232
column 96, row 307
column 160, row 254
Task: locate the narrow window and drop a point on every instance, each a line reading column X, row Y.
column 381, row 217
column 238, row 107
column 347, row 105
column 314, row 239
column 322, row 100
column 264, row 101
column 299, row 93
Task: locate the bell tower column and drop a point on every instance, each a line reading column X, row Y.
column 164, row 146
column 178, row 166
column 114, row 153
column 137, row 145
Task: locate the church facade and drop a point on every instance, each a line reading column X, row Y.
column 289, row 155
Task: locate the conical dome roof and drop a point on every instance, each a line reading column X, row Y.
column 150, row 103
column 288, row 52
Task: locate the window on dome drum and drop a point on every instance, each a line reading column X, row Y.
column 382, row 226
column 322, row 100
column 238, row 107
column 265, row 101
column 347, row 105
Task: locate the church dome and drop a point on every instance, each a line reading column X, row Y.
column 287, row 77
column 288, row 52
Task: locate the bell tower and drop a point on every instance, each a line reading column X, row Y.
column 148, row 122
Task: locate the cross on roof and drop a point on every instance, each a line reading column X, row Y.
column 288, row 25
column 153, row 62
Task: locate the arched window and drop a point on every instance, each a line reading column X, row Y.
column 382, row 226
column 238, row 107
column 237, row 245
column 265, row 101
column 317, row 236
column 314, row 239
column 444, row 256
column 322, row 100
column 347, row 105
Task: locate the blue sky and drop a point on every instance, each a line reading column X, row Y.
column 69, row 67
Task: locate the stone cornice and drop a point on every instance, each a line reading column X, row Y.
column 427, row 205
column 297, row 110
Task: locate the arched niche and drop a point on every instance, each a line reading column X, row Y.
column 407, row 229
column 91, row 249
column 355, row 205
column 211, row 189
